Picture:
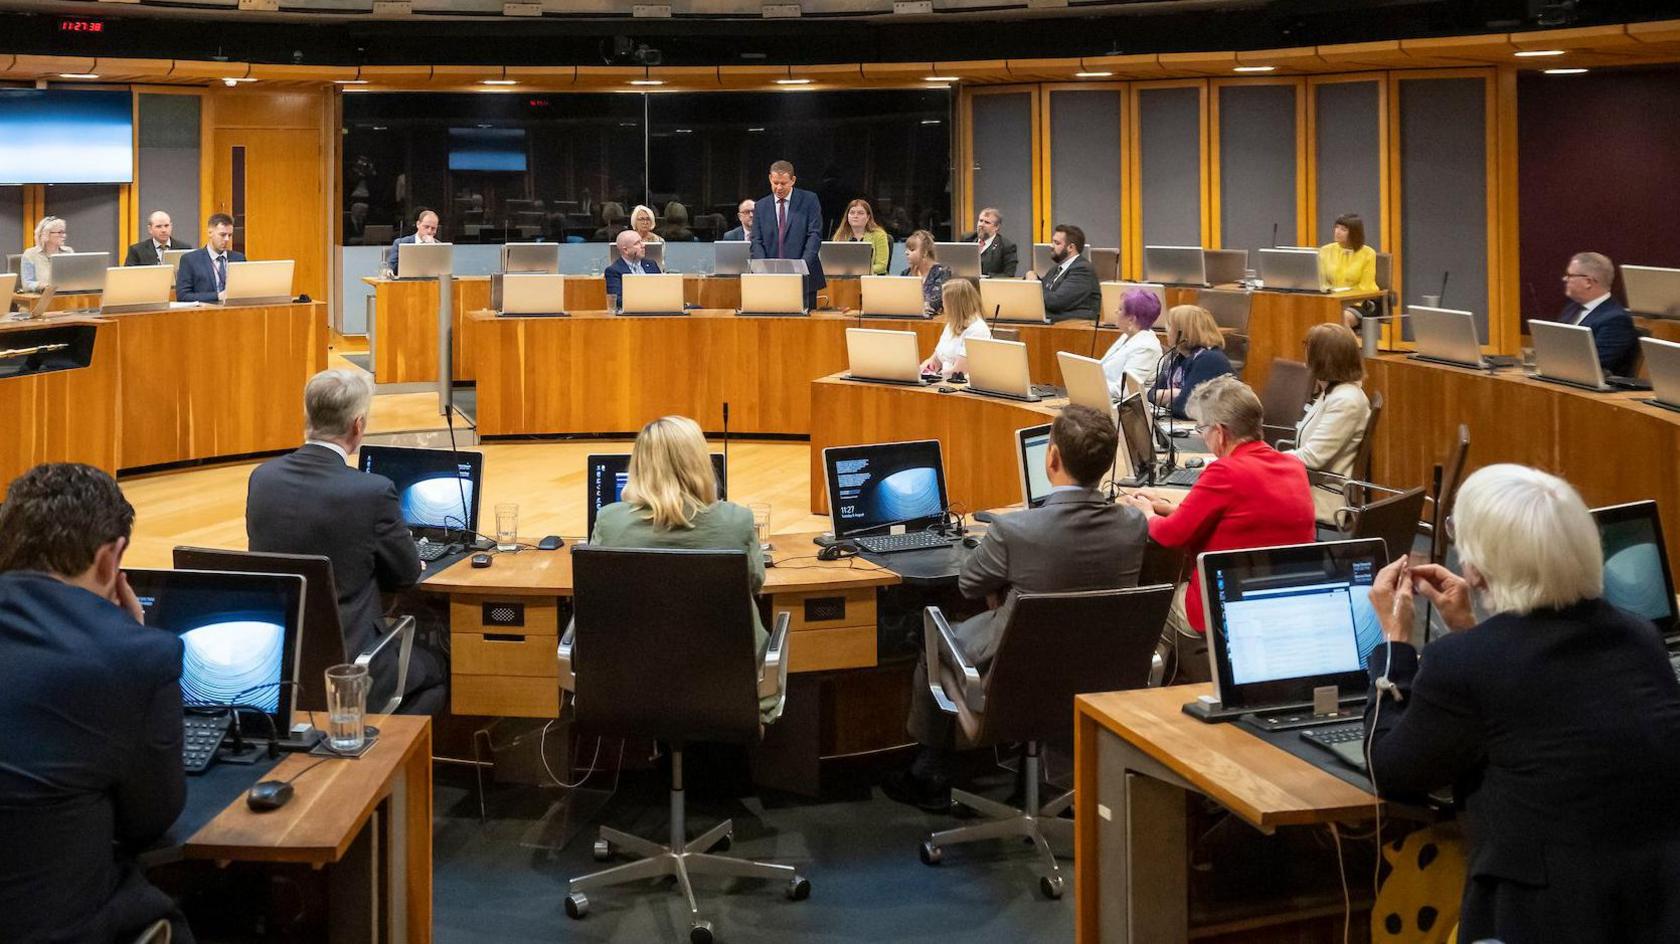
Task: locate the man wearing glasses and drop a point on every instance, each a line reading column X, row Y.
column 1587, row 284
column 744, row 213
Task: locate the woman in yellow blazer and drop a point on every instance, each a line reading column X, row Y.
column 859, row 226
column 1348, row 264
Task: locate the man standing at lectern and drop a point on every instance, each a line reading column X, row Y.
column 788, row 225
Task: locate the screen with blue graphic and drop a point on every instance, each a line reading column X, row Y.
column 238, row 633
column 495, row 150
column 437, row 488
column 606, row 474
column 57, row 136
column 1636, row 574
column 871, row 488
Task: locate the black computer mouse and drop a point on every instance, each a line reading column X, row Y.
column 839, row 550
column 971, row 540
column 267, row 795
column 1194, row 462
column 481, row 560
column 551, row 543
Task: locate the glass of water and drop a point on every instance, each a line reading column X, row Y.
column 761, row 523
column 347, row 692
column 507, row 526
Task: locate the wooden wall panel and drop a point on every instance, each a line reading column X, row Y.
column 67, row 416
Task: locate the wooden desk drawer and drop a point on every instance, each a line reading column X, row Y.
column 493, row 653
column 504, row 696
column 530, row 616
column 824, row 609
column 843, row 647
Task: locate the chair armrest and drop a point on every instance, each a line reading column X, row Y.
column 400, row 631
column 1281, row 444
column 568, row 677
column 942, row 649
column 773, row 671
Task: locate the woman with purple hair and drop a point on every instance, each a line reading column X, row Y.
column 1138, row 350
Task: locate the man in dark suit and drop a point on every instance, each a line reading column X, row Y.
column 632, row 258
column 1587, row 283
column 149, row 251
column 745, row 213
column 1077, row 540
column 1071, row 289
column 90, row 717
column 997, row 255
column 788, row 225
column 312, row 502
column 202, row 276
column 425, row 231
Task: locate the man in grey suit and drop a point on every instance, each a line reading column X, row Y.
column 1077, row 540
column 1071, row 289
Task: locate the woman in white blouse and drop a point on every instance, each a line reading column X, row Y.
column 1327, row 438
column 962, row 321
column 36, row 264
column 643, row 220
column 1138, row 350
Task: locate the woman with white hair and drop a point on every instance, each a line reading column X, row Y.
column 643, row 220
column 36, row 267
column 1556, row 718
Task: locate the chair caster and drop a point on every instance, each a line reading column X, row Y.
column 603, row 850
column 1051, row 886
column 798, row 888
column 700, row 933
column 577, row 905
column 931, row 854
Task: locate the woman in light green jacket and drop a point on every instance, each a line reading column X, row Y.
column 859, row 226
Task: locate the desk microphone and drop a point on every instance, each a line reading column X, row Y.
column 726, row 440
column 1274, row 234
column 460, row 487
column 1094, row 326
column 1442, row 298
column 997, row 311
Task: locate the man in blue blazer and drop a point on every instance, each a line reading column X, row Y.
column 425, row 231
column 202, row 276
column 1587, row 283
column 788, row 225
column 744, row 213
column 631, row 251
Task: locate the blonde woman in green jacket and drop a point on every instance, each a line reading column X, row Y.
column 859, row 226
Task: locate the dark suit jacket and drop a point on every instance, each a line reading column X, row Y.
column 195, row 281
column 1204, row 363
column 1613, row 333
column 999, row 261
column 1076, row 540
column 1561, row 731
column 391, row 253
column 90, row 762
column 1074, row 293
column 310, row 502
column 615, row 273
column 738, row 234
column 143, row 253
column 804, row 234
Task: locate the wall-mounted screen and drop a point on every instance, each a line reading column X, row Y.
column 59, row 136
column 497, row 150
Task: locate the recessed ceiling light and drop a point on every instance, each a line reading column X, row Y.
column 941, row 78
column 1254, row 69
column 793, row 81
column 755, row 130
column 500, row 82
column 932, row 121
column 647, row 81
column 685, row 130
column 1092, row 75
column 77, row 75
column 1537, row 53
column 350, row 81
column 1564, row 71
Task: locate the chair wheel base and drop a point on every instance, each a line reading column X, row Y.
column 798, row 888
column 1051, row 886
column 603, row 850
column 930, row 853
column 700, row 933
column 577, row 905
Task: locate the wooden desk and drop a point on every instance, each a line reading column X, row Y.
column 403, row 338
column 65, row 415
column 370, row 817
column 1135, row 755
column 79, row 302
column 1611, row 446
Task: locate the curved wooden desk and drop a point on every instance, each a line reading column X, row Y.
column 1611, row 446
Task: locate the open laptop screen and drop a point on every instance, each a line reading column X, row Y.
column 1636, row 574
column 605, row 476
column 437, row 488
column 1032, row 444
column 1287, row 620
column 872, row 488
column 1137, row 433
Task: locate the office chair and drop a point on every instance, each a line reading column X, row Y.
column 1055, row 646
column 1230, row 309
column 1284, row 399
column 1393, row 518
column 661, row 647
column 322, row 644
column 1105, row 263
column 1236, row 351
column 1449, row 475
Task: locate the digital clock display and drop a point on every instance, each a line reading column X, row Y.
column 81, row 26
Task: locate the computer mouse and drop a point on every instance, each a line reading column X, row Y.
column 551, row 543
column 947, row 389
column 481, row 560
column 839, row 550
column 266, row 795
column 971, row 540
column 1194, row 462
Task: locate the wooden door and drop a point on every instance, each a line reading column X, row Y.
column 270, row 181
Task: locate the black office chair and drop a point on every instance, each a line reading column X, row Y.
column 1236, row 351
column 322, row 644
column 1284, row 399
column 661, row 647
column 1055, row 646
column 1394, row 518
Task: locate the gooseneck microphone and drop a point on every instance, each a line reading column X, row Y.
column 1274, row 234
column 1445, row 274
column 1095, row 324
column 726, row 440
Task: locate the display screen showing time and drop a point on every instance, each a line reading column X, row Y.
column 81, row 26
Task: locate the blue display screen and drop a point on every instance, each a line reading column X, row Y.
column 56, row 136
column 498, row 150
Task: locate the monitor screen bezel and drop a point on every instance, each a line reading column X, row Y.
column 832, row 454
column 616, row 461
column 1646, row 510
column 475, row 475
column 1021, row 437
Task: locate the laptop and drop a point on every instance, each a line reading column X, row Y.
column 1113, row 293
column 764, row 293
column 1013, row 300
column 999, row 369
column 1229, row 308
column 1175, row 265
column 259, row 283
column 1137, row 440
column 533, row 295
column 1085, row 381
column 425, row 260
column 1662, row 359
column 1289, row 627
column 77, row 273
column 1224, row 266
column 1637, row 577
column 893, row 296
column 1566, row 354
column 1105, row 263
column 136, row 288
column 887, row 496
column 963, row 259
column 1448, row 336
column 846, row 259
column 8, row 286
column 883, row 356
column 172, row 257
column 1652, row 291
column 1291, row 270
column 1032, row 444
column 606, row 474
column 540, row 258
column 648, row 293
column 437, row 489
column 652, row 252
column 730, row 257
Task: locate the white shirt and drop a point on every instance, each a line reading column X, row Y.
column 1135, row 357
column 335, row 447
column 951, row 347
column 1587, row 308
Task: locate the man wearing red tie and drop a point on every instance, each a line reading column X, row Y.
column 788, row 225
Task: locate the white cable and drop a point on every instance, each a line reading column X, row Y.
column 1341, row 870
column 1371, row 770
column 542, row 751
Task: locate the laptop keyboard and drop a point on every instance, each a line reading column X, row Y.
column 201, row 735
column 430, row 552
column 909, row 541
column 1345, row 740
column 1183, row 478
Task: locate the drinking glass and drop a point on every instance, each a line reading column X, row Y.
column 347, row 691
column 507, row 526
column 761, row 523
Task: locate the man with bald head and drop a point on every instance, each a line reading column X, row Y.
column 630, row 260
column 160, row 237
column 425, row 231
column 744, row 213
